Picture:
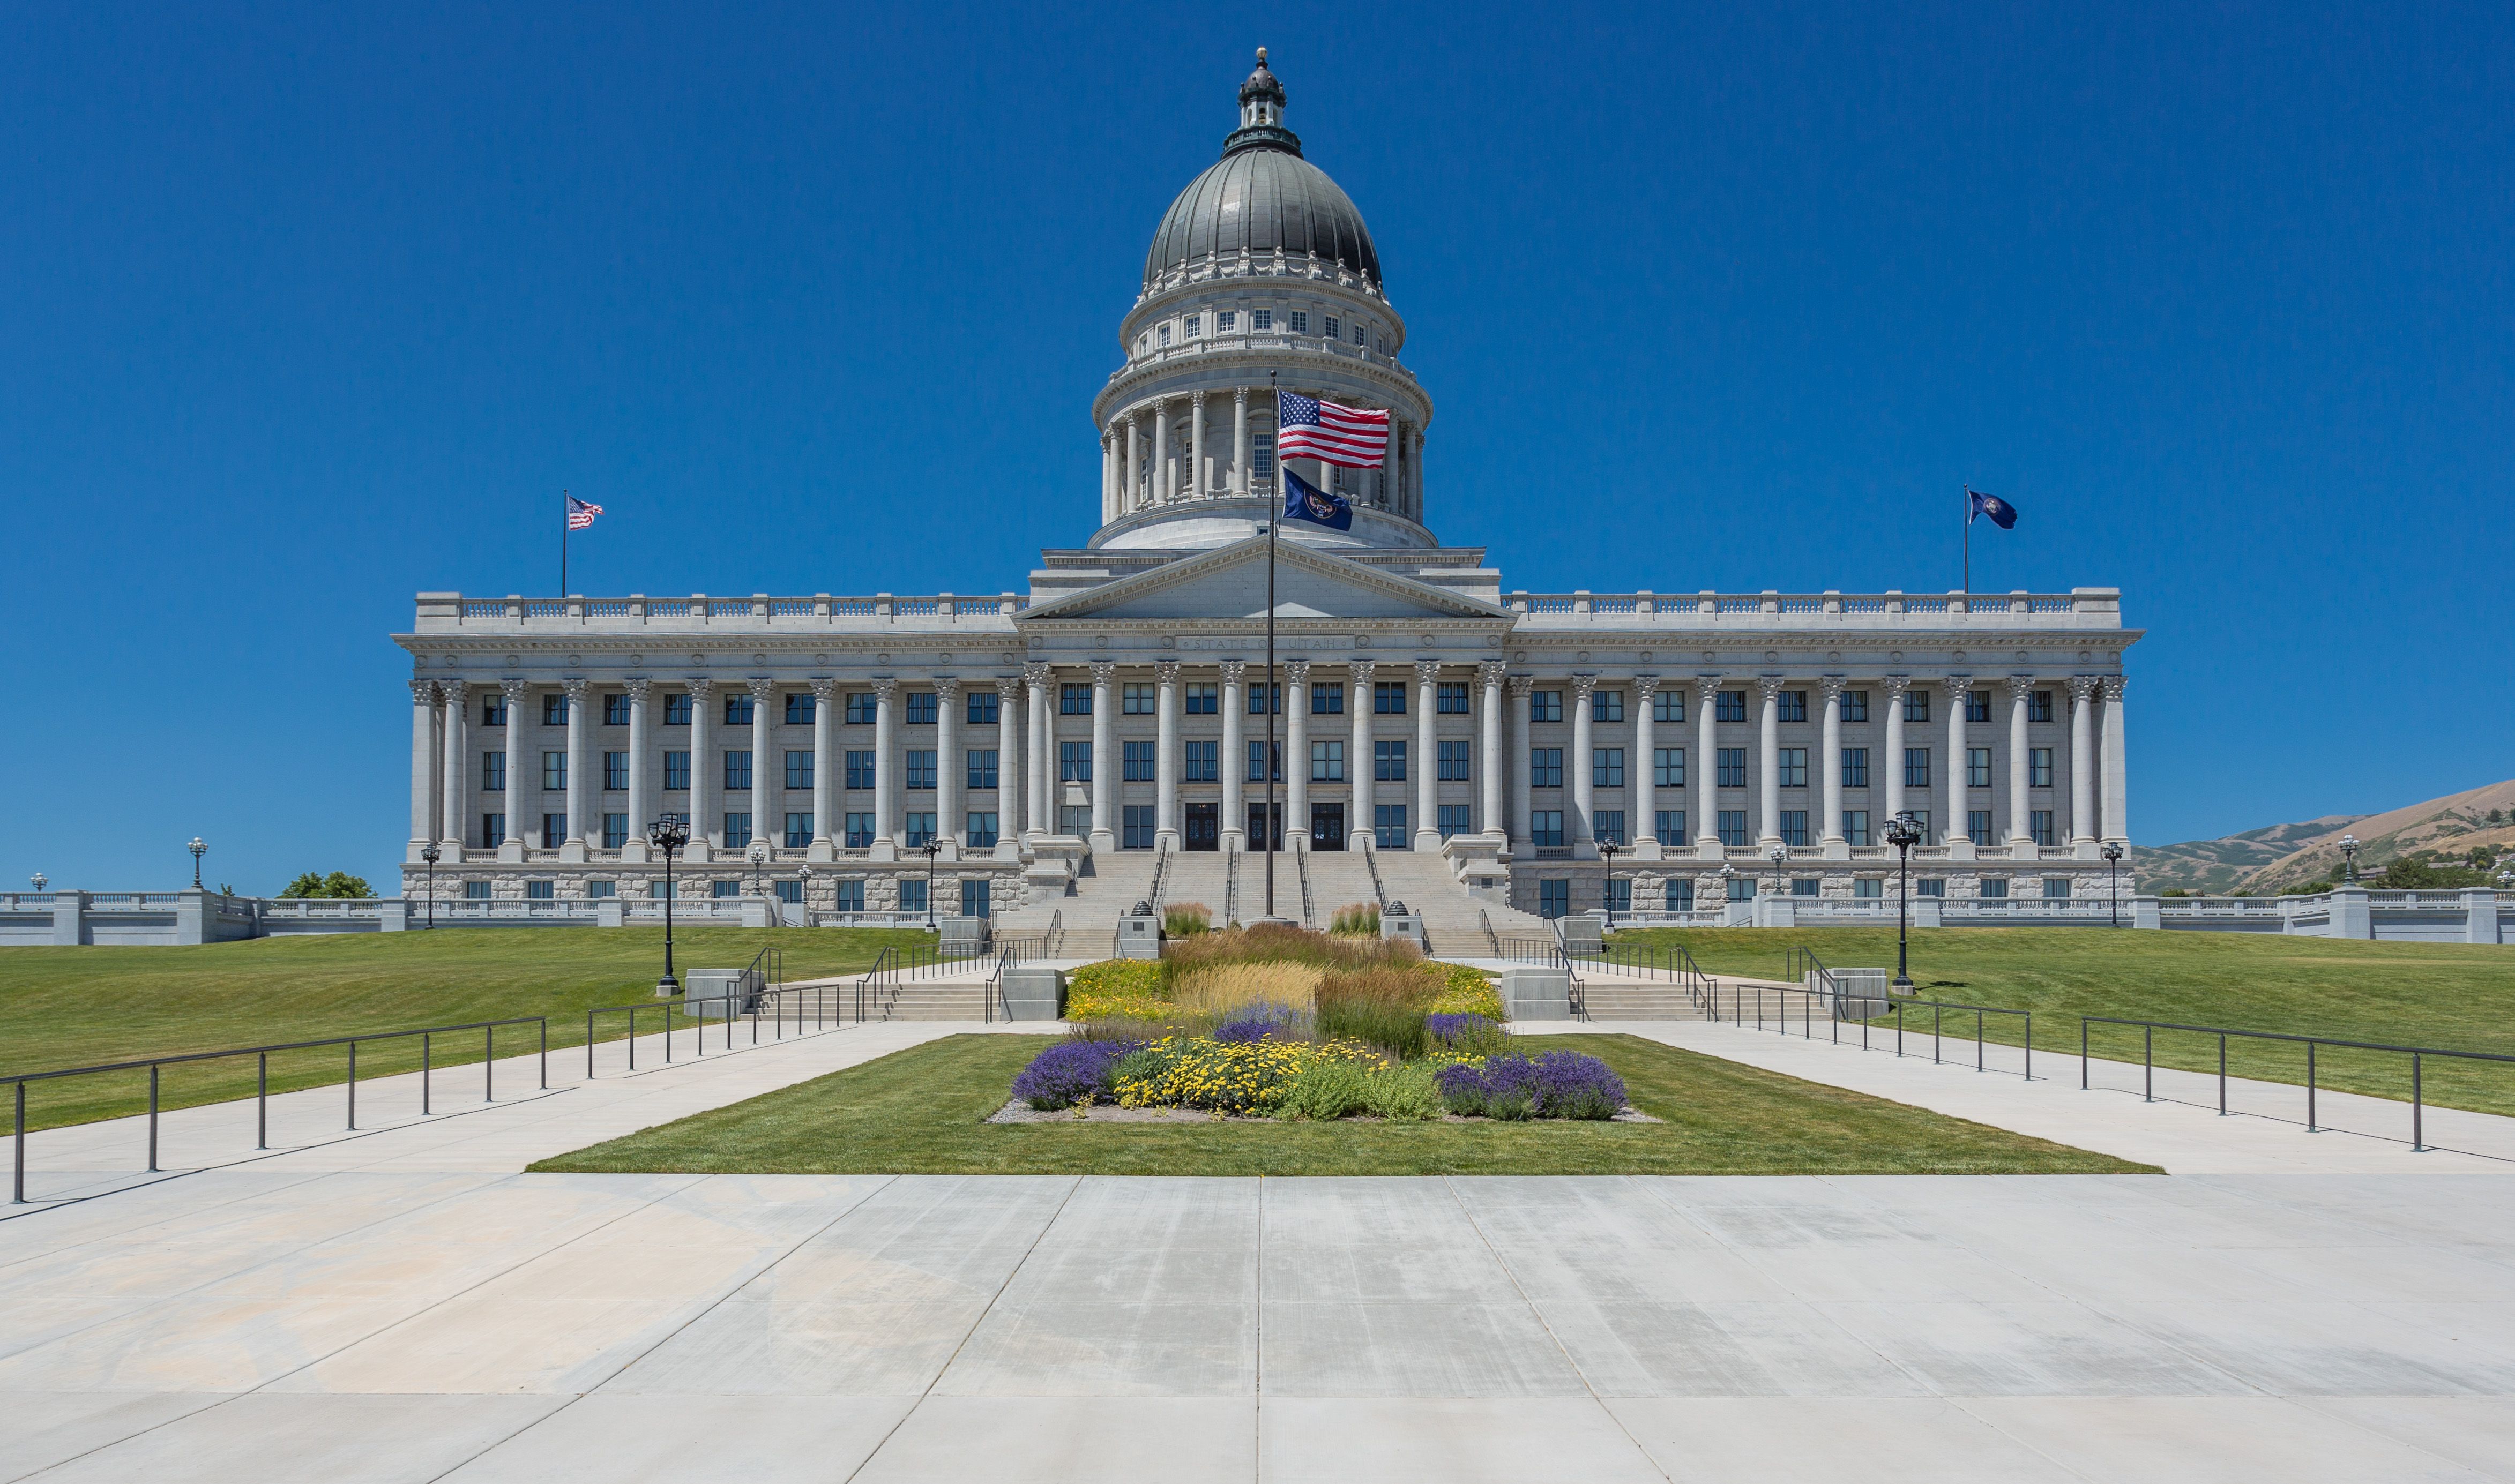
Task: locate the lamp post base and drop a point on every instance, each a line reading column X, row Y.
column 667, row 987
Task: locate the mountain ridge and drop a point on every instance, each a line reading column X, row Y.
column 2274, row 857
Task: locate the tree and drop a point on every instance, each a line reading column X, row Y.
column 338, row 884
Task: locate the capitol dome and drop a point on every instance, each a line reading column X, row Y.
column 1262, row 195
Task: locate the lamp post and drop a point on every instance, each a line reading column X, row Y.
column 39, row 880
column 1607, row 883
column 932, row 846
column 2349, row 848
column 759, row 861
column 197, row 846
column 1728, row 878
column 427, row 854
column 1778, row 855
column 1903, row 832
column 668, row 835
column 2113, row 877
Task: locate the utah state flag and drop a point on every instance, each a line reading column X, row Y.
column 1305, row 501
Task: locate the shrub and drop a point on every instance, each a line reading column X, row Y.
column 1186, row 920
column 1464, row 991
column 1512, row 1087
column 1243, row 1077
column 1571, row 1084
column 1407, row 1093
column 1465, row 1035
column 1326, row 1089
column 1355, row 920
column 1069, row 1072
column 1379, row 1007
column 1259, row 1022
column 1115, row 989
column 1462, row 1088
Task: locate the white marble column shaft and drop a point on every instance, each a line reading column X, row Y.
column 767, row 778
column 1893, row 761
column 1830, row 828
column 2021, row 835
column 1768, row 760
column 1165, row 754
column 1240, row 447
column 642, row 765
column 424, row 808
column 1010, row 770
column 1523, row 774
column 707, row 821
column 1581, row 830
column 1707, row 776
column 886, row 768
column 1495, row 768
column 1234, row 765
column 2082, row 762
column 951, row 773
column 2116, row 806
column 583, row 829
column 1427, row 761
column 1296, row 754
column 1641, row 772
column 455, row 797
column 1359, row 767
column 1105, row 782
column 826, row 777
column 1951, row 829
column 1045, row 789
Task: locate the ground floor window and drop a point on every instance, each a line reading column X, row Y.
column 724, row 889
column 475, row 891
column 738, row 828
column 1554, row 897
column 1135, row 826
column 912, row 894
column 553, row 831
column 1930, row 886
column 598, row 889
column 541, row 891
column 1678, row 894
column 1389, row 826
column 615, row 831
column 1454, row 820
column 975, row 893
column 1620, row 894
column 790, row 891
column 1742, row 889
column 1995, row 888
column 2056, row 888
column 1867, row 887
column 1806, row 885
column 662, row 891
column 852, row 895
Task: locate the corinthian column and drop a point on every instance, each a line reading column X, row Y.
column 1200, row 477
column 579, row 735
column 1489, row 782
column 1166, row 747
column 1163, row 473
column 1829, row 829
column 1240, row 447
column 2021, row 688
column 2083, row 766
column 455, row 797
column 1296, row 755
column 886, row 768
column 422, row 766
column 641, row 787
column 523, row 771
column 1009, row 766
column 1135, row 461
column 1108, row 480
column 1893, row 761
column 825, row 761
column 951, row 776
column 1707, row 800
column 1642, row 772
column 1104, row 762
column 1041, row 754
column 1768, row 760
column 1427, row 746
column 2117, row 823
column 1523, row 794
column 1359, row 769
column 1953, row 831
column 767, row 784
column 1582, row 828
column 1235, row 757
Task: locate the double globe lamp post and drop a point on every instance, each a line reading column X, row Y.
column 1903, row 832
column 668, row 835
column 2112, row 877
column 198, row 848
column 430, row 854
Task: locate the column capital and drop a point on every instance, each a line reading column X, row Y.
column 1037, row 672
column 762, row 689
column 1770, row 685
column 1896, row 686
column 2113, row 686
column 452, row 693
column 886, row 686
column 825, row 689
column 1708, row 686
column 1361, row 671
column 1489, row 674
column 1166, row 671
column 1232, row 671
column 1009, row 687
column 2020, row 687
column 1428, row 670
column 1582, row 685
column 1833, row 686
column 422, row 692
column 1645, row 686
column 1240, row 397
column 947, row 689
column 573, row 688
column 2081, row 687
column 637, row 686
column 1521, row 685
column 1104, row 671
column 1956, row 680
column 1297, row 671
column 515, row 687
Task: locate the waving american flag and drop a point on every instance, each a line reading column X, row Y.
column 581, row 514
column 1306, row 428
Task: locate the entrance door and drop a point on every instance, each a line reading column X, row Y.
column 1327, row 826
column 1204, row 827
column 1260, row 836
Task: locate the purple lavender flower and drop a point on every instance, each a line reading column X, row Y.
column 1256, row 1022
column 1458, row 1027
column 1069, row 1072
column 1463, row 1089
column 1512, row 1086
column 1570, row 1085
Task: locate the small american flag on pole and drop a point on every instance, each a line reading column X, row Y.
column 581, row 514
column 1306, row 428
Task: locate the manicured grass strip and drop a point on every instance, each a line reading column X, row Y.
column 919, row 1112
column 81, row 1007
column 2450, row 995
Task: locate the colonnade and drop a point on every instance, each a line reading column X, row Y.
column 1159, row 452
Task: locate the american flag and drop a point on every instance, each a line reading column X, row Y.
column 580, row 514
column 1306, row 428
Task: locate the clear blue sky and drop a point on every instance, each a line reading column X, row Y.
column 309, row 309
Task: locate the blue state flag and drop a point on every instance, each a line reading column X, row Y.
column 2002, row 513
column 1305, row 501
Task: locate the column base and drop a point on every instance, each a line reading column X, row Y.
column 634, row 850
column 1008, row 849
column 1836, row 847
column 1428, row 840
column 512, row 852
column 820, row 851
column 1709, row 848
column 571, row 852
column 883, row 849
column 1166, row 839
column 449, row 852
column 1103, row 841
column 1584, row 849
column 1646, row 849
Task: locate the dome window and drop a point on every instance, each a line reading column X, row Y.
column 1333, row 333
column 1262, row 319
column 1194, row 327
column 1358, row 341
column 1300, row 323
column 1162, row 335
column 1224, row 319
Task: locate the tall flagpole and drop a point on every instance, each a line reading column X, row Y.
column 1968, row 541
column 1271, row 829
column 562, row 545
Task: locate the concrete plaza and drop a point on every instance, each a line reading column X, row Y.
column 405, row 1305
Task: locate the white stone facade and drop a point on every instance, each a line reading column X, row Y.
column 1531, row 724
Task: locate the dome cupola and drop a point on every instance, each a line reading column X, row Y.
column 1261, row 197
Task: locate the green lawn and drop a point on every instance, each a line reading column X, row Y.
column 919, row 1112
column 81, row 1007
column 2454, row 996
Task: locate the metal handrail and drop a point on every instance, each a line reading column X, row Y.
column 1009, row 956
column 1484, row 919
column 1161, row 876
column 1669, row 960
column 262, row 1078
column 1800, row 960
column 1231, row 886
column 1371, row 861
column 1301, row 863
column 1898, row 1009
column 2147, row 1063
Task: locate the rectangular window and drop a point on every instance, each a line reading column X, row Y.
column 1977, row 768
column 1453, row 762
column 1202, row 698
column 1793, row 827
column 1733, row 768
column 921, row 708
column 2038, row 706
column 1806, row 885
column 1855, row 827
column 737, row 769
column 862, row 711
column 1193, row 327
column 1607, row 767
column 2056, row 888
column 677, row 770
column 1301, row 321
column 1201, row 763
column 1388, row 698
column 615, row 772
column 1357, row 335
column 1742, row 889
column 493, row 709
column 1450, row 698
column 737, row 830
column 1545, row 706
column 1388, row 827
column 1791, row 706
column 1389, row 761
column 917, row 833
column 1262, row 447
column 1257, row 761
column 1668, row 767
column 1335, row 329
column 1731, row 706
column 798, row 829
column 493, row 832
column 2039, row 823
column 553, row 831
column 1453, row 820
column 1855, row 768
column 1259, row 693
column 1327, row 761
column 676, row 709
column 979, row 768
column 859, row 768
column 1868, row 888
column 1162, row 334
column 912, row 894
column 1546, row 767
column 976, row 894
column 1995, row 888
column 596, row 891
column 1545, row 828
column 790, row 891
column 851, row 893
column 983, row 708
column 554, row 709
column 2038, row 768
column 737, row 708
column 1855, row 706
column 1137, row 761
column 1074, row 763
column 475, row 891
column 1916, row 767
column 1135, row 826
column 1733, row 828
column 799, row 767
column 1977, row 704
column 615, row 831
column 1227, row 319
column 553, row 770
column 1137, row 698
column 1676, row 894
column 1917, row 705
column 615, row 710
column 1606, row 706
column 859, row 835
column 1554, row 898
column 1073, row 700
column 920, row 770
column 1607, row 827
column 493, row 772
column 1930, row 886
column 1620, row 894
column 1922, row 818
column 1668, row 827
column 801, row 707
column 1791, row 764
column 1978, row 826
column 981, row 829
column 1668, row 705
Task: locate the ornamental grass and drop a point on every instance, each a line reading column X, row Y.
column 1356, row 919
column 1185, row 920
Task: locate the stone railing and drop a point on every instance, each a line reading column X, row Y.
column 453, row 613
column 67, row 918
column 2079, row 608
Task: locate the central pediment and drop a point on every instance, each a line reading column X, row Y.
column 1230, row 581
